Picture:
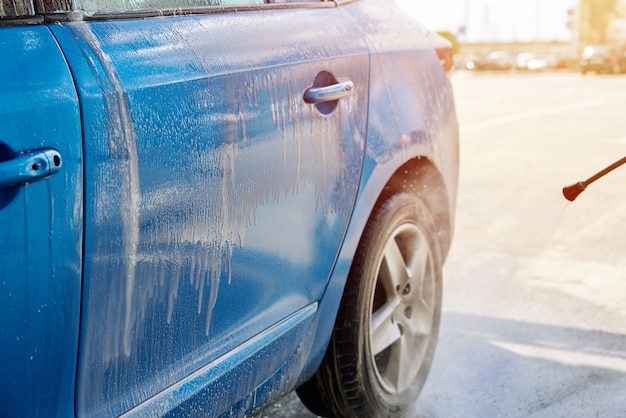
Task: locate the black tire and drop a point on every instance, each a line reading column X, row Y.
column 386, row 331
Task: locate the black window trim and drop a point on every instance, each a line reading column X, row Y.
column 69, row 16
column 58, row 11
column 19, row 20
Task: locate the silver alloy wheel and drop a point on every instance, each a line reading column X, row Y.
column 402, row 308
column 385, row 334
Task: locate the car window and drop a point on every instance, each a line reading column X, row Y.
column 125, row 5
column 121, row 5
column 106, row 8
column 15, row 8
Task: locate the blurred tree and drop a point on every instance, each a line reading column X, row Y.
column 452, row 38
column 596, row 16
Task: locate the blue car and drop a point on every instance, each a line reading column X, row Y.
column 207, row 204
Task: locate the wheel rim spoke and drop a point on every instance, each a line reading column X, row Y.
column 393, row 270
column 422, row 278
column 419, row 261
column 422, row 288
column 384, row 331
column 422, row 326
column 405, row 374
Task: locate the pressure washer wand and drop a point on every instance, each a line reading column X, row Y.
column 572, row 192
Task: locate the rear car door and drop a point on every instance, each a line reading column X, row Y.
column 216, row 194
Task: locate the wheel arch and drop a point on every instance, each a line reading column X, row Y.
column 420, row 176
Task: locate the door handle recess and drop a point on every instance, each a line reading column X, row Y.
column 331, row 93
column 29, row 166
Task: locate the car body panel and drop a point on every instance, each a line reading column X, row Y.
column 221, row 211
column 198, row 149
column 411, row 116
column 411, row 112
column 41, row 223
column 255, row 364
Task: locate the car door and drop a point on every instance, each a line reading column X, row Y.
column 218, row 185
column 40, row 222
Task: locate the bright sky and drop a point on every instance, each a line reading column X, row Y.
column 495, row 20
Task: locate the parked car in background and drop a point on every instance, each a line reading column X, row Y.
column 499, row 61
column 207, row 204
column 475, row 63
column 523, row 59
column 603, row 59
column 493, row 61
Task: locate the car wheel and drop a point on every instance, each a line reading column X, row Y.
column 386, row 330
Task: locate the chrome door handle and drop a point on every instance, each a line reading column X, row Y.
column 331, row 93
column 29, row 166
